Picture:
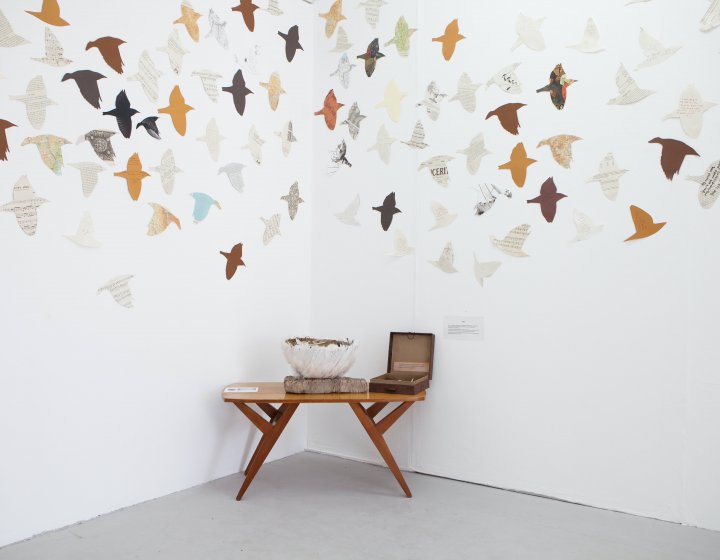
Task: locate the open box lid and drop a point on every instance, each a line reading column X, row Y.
column 411, row 353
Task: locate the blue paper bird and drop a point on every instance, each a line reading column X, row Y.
column 203, row 202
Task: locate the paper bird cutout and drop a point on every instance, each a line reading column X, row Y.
column 24, row 205
column 709, row 185
column 239, row 92
column 203, row 203
column 466, row 93
column 372, row 10
column 417, row 140
column 273, row 8
column 36, row 101
column 401, row 39
column 673, row 154
column 341, row 43
column 528, row 32
column 382, row 144
column 150, row 126
column 557, row 86
column 548, row 199
column 85, row 235
column 188, row 18
column 274, row 89
column 711, row 18
column 133, row 175
column 518, row 164
column 212, row 139
column 443, row 218
column 506, row 79
column 508, row 117
column 8, row 38
column 343, row 70
column 332, row 17
column 655, row 52
column 401, row 248
column 584, row 226
column 88, row 175
column 234, row 175
column 253, row 61
column 391, row 101
column 254, row 144
column 148, row 76
column 628, row 89
column 175, row 51
column 50, row 150
column 512, row 243
column 371, row 56
column 474, row 153
column 100, row 142
column 217, row 29
column 234, row 260
column 177, row 109
column 53, row 51
column 161, row 219
column 87, row 83
column 561, row 148
column 209, row 82
column 287, row 138
column 330, row 109
column 446, row 261
column 123, row 113
column 293, row 200
column 590, row 41
column 690, row 111
column 167, row 171
column 119, row 289
column 49, row 13
column 353, row 120
column 432, row 100
column 338, row 157
column 349, row 215
column 450, row 39
column 292, row 42
column 438, row 167
column 109, row 48
column 387, row 210
column 488, row 197
column 272, row 228
column 644, row 224
column 247, row 9
column 485, row 270
column 609, row 177
column 4, row 147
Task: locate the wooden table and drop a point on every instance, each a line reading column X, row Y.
column 278, row 417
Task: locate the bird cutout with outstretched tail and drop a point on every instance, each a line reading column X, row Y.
column 560, row 147
column 673, row 154
column 161, row 219
column 119, row 290
column 608, row 176
column 387, row 210
column 449, row 39
column 53, row 51
column 709, row 185
column 247, row 9
column 392, row 97
column 217, row 29
column 438, row 168
column 178, row 110
column 528, row 32
column 123, row 113
column 100, row 143
column 353, row 120
column 87, row 83
column 466, row 93
column 446, row 261
column 203, row 203
column 557, row 86
column 209, row 80
column 628, row 89
column 272, row 228
column 188, row 18
column 85, row 234
column 584, row 226
column 148, row 76
column 338, row 157
column 150, row 126
column 518, row 164
column 644, row 224
column 212, row 139
column 432, row 100
column 293, row 200
column 175, row 51
column 383, row 144
column 50, row 149
column 590, row 41
column 349, row 215
column 36, row 101
column 343, row 70
column 506, row 79
column 655, row 52
column 292, row 42
column 133, row 175
column 508, row 116
column 274, row 90
column 330, row 109
column 474, row 153
column 89, row 171
column 484, row 270
column 372, row 11
column 234, row 260
column 401, row 247
column 254, row 145
column 371, row 56
column 417, row 139
column 24, row 205
column 401, row 39
column 548, row 199
column 332, row 17
column 341, row 42
column 8, row 38
column 233, row 171
column 109, row 48
column 49, row 13
column 287, row 138
column 239, row 92
column 4, row 147
column 443, row 217
column 690, row 111
column 512, row 244
column 167, row 171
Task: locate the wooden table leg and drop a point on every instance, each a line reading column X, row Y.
column 376, row 431
column 274, row 414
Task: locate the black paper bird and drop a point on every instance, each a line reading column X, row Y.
column 234, row 260
column 387, row 211
column 87, row 83
column 150, row 125
column 673, row 154
column 239, row 91
column 548, row 199
column 371, row 56
column 123, row 113
column 292, row 42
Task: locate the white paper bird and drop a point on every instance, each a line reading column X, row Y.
column 446, row 260
column 8, row 38
column 53, row 51
column 438, row 168
column 466, row 93
column 392, row 98
column 628, row 89
column 148, row 76
column 36, row 101
column 343, row 70
column 85, row 235
column 443, row 218
column 341, row 43
column 383, row 144
column 401, row 248
column 349, row 215
column 417, row 139
column 512, row 243
column 272, row 228
column 528, row 32
column 609, row 177
column 709, row 185
column 372, row 10
column 217, row 29
column 24, row 205
column 287, row 138
column 485, row 270
column 506, row 79
column 119, row 289
column 167, row 171
column 432, row 100
column 474, row 153
column 212, row 139
column 209, row 80
column 584, row 226
column 175, row 51
column 273, row 8
column 254, row 145
column 655, row 52
column 590, row 41
column 690, row 111
column 234, row 175
column 88, row 175
column 355, row 117
column 711, row 18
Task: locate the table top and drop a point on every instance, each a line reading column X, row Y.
column 274, row 392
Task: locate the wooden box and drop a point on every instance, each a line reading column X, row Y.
column 410, row 364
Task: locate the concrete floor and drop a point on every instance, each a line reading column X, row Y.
column 320, row 507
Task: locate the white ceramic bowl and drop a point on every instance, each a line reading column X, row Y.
column 319, row 358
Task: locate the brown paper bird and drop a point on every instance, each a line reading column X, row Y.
column 449, row 39
column 518, row 164
column 247, row 9
column 673, row 154
column 508, row 117
column 234, row 260
column 332, row 17
column 548, row 199
column 87, row 83
column 133, row 175
column 330, row 109
column 49, row 13
column 189, row 19
column 644, row 224
column 177, row 109
column 109, row 48
column 4, row 148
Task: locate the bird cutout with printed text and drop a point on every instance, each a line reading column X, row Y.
column 371, row 56
column 528, row 33
column 133, row 175
column 466, row 93
column 585, row 228
column 53, row 51
column 123, row 113
column 274, row 90
column 209, row 80
column 506, row 79
column 341, row 42
column 332, row 18
column 372, row 11
column 203, row 204
column 233, row 171
column 272, row 228
column 217, row 29
column 484, row 270
column 349, row 215
column 672, row 155
column 49, row 13
column 253, row 60
column 343, row 71
column 233, row 260
column 109, row 48
column 401, row 39
column 446, row 260
column 711, row 18
column 148, row 76
column 628, row 89
column 392, row 97
column 292, row 42
column 167, row 171
column 24, row 205
column 443, row 218
column 353, row 120
column 508, row 116
column 100, row 142
column 488, row 194
column 293, row 200
column 189, row 18
column 273, row 8
column 709, row 185
column 8, row 38
column 161, row 219
column 608, row 176
column 560, row 147
column 557, row 87
column 175, row 51
column 338, row 158
column 212, row 139
column 329, row 109
column 150, row 126
column 512, row 244
column 247, row 9
column 87, row 83
column 4, row 146
column 655, row 52
column 119, row 289
column 383, row 144
column 450, row 39
column 690, row 111
column 417, row 139
column 178, row 110
column 85, row 234
column 474, row 153
column 644, row 224
column 548, row 199
column 438, row 168
column 590, row 41
column 432, row 100
column 36, row 101
column 239, row 92
column 518, row 164
column 401, row 247
column 387, row 210
column 89, row 171
column 254, row 145
column 49, row 147
column 287, row 138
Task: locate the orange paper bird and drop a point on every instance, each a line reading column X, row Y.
column 4, row 148
column 177, row 109
column 673, row 155
column 450, row 39
column 50, row 13
column 518, row 164
column 234, row 260
column 109, row 48
column 644, row 224
column 507, row 114
column 133, row 175
column 332, row 17
column 247, row 9
column 189, row 19
column 330, row 109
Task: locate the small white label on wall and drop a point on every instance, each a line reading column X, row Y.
column 464, row 328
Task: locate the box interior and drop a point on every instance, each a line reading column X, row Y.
column 410, row 355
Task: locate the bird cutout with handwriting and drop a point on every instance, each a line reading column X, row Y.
column 150, row 126
column 417, row 139
column 148, row 76
column 484, row 270
column 372, row 11
column 217, row 29
column 690, row 111
column 561, row 148
column 8, row 38
column 333, row 17
column 392, row 97
column 518, row 164
column 100, row 142
column 175, row 51
column 36, row 101
column 293, row 200
column 233, row 171
column 109, row 48
column 443, row 217
column 239, row 92
column 401, row 39
column 528, row 33
column 446, row 261
column 371, row 56
column 383, row 144
column 189, row 18
column 161, row 219
column 655, row 52
column 644, row 224
column 247, row 9
column 628, row 89
column 450, row 39
column 432, row 100
column 24, row 205
column 508, row 116
column 349, row 215
column 548, row 199
column 287, row 138
column 711, row 18
column 4, row 146
column 254, row 145
column 338, row 157
column 87, row 83
column 49, row 147
column 234, row 260
column 89, row 171
column 557, row 87
column 438, row 168
column 401, row 247
column 585, row 227
column 474, row 153
column 123, row 113
column 387, row 210
column 608, row 176
column 212, row 139
column 203, row 203
column 590, row 41
column 292, row 42
column 272, row 228
column 353, row 120
column 133, row 175
column 209, row 80
column 466, row 93
column 85, row 234
column 672, row 155
column 512, row 244
column 167, row 171
column 330, row 109
column 49, row 13
column 119, row 289
column 178, row 110
column 341, row 42
column 53, row 51
column 343, row 70
column 274, row 90
column 506, row 79
column 709, row 185
column 273, row 8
